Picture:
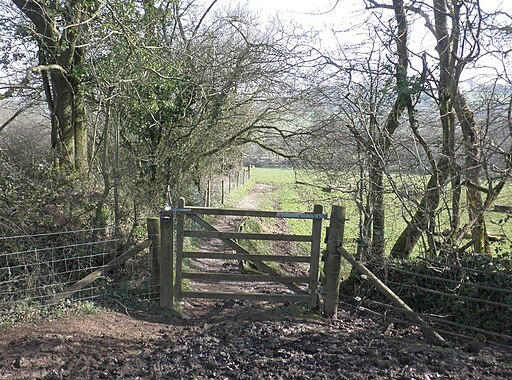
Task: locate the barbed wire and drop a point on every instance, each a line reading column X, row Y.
column 440, row 320
column 508, row 275
column 465, row 298
column 457, row 282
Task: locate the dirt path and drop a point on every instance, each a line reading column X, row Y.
column 236, row 340
column 251, row 201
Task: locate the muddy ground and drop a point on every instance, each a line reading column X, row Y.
column 237, row 340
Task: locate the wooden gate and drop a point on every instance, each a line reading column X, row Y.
column 235, row 251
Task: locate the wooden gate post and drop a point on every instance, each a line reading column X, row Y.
column 153, row 225
column 316, row 237
column 166, row 262
column 332, row 264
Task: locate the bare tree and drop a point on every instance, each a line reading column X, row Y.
column 452, row 148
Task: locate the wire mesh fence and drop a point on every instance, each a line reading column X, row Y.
column 457, row 296
column 34, row 268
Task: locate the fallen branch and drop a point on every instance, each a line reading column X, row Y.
column 99, row 273
column 503, row 209
column 15, row 115
column 393, row 297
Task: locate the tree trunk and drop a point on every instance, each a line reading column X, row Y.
column 61, row 57
column 376, row 178
column 473, row 168
column 420, row 221
column 456, row 195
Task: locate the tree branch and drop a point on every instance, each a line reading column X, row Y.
column 15, row 115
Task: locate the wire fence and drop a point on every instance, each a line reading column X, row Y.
column 461, row 298
column 34, row 268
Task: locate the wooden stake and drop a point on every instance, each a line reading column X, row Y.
column 179, row 248
column 316, row 237
column 223, row 192
column 209, row 194
column 153, row 225
column 166, row 262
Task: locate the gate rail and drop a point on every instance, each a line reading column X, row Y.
column 174, row 218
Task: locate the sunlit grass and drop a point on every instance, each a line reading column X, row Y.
column 310, row 190
column 28, row 312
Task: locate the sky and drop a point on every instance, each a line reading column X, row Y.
column 325, row 15
column 306, row 12
column 316, row 9
column 328, row 15
column 320, row 11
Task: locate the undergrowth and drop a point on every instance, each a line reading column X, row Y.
column 26, row 312
column 474, row 290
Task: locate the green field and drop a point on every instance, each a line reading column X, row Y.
column 302, row 196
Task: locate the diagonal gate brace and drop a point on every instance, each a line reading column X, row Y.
column 257, row 263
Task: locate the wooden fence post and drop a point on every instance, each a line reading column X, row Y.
column 316, row 237
column 332, row 264
column 222, row 191
column 166, row 262
column 153, row 225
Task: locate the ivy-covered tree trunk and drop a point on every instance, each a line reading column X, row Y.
column 58, row 30
column 384, row 136
column 419, row 222
column 376, row 178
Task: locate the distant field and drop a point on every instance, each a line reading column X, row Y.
column 302, row 196
column 293, row 196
